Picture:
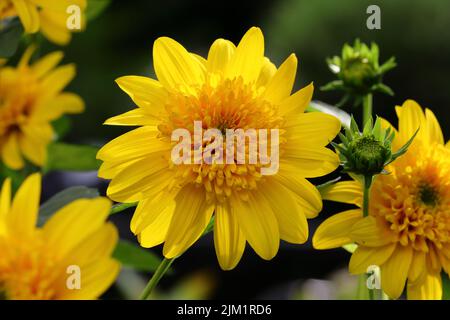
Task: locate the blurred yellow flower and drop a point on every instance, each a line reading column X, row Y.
column 30, row 98
column 47, row 16
column 235, row 87
column 407, row 232
column 36, row 263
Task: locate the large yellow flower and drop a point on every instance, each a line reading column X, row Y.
column 47, row 16
column 37, row 263
column 407, row 232
column 30, row 98
column 235, row 87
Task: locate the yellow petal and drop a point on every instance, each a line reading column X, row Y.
column 280, row 86
column 11, row 155
column 248, row 57
column 132, row 145
column 428, row 289
column 333, row 232
column 312, row 129
column 345, row 191
column 363, row 257
column 433, row 128
column 174, row 66
column 268, row 69
column 190, row 218
column 73, row 223
column 136, row 117
column 28, row 14
column 95, row 279
column 291, row 219
column 5, row 203
column 97, row 245
column 410, row 118
column 309, row 162
column 25, row 206
column 418, row 267
column 369, row 233
column 47, row 63
column 306, row 194
column 25, row 59
column 143, row 179
column 220, row 55
column 34, row 149
column 395, row 271
column 297, row 102
column 229, row 241
column 152, row 218
column 57, row 106
column 145, row 92
column 258, row 224
column 57, row 80
column 40, row 131
column 54, row 25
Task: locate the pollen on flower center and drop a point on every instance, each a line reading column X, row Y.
column 428, row 194
column 229, row 104
column 414, row 200
column 27, row 270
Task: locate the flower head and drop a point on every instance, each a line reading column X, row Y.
column 359, row 72
column 30, row 98
column 407, row 232
column 368, row 153
column 35, row 261
column 48, row 17
column 234, row 88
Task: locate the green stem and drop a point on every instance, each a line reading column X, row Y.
column 121, row 207
column 367, row 184
column 367, row 108
column 165, row 265
column 157, row 276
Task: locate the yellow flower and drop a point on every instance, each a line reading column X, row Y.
column 30, row 98
column 47, row 16
column 407, row 232
column 235, row 87
column 37, row 263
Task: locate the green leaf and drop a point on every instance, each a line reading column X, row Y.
column 131, row 255
column 318, row 106
column 62, row 126
column 69, row 157
column 10, row 34
column 119, row 207
column 351, row 247
column 62, row 199
column 95, row 8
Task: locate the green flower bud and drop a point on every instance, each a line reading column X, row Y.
column 358, row 71
column 369, row 152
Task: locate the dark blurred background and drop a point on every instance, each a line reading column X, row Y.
column 119, row 42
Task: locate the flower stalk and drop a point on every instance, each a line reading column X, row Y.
column 157, row 276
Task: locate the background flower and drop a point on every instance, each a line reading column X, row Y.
column 45, row 16
column 35, row 260
column 30, row 98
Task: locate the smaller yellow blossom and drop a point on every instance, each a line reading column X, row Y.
column 407, row 231
column 47, row 16
column 30, row 98
column 36, row 263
